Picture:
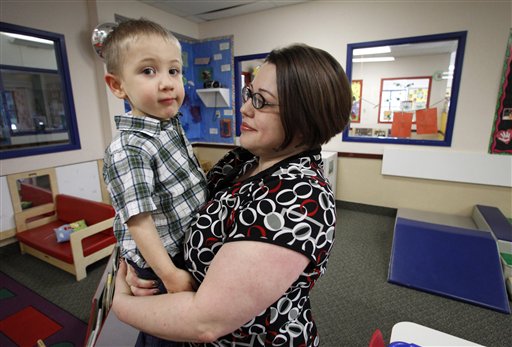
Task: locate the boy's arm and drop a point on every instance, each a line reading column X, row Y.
column 144, row 233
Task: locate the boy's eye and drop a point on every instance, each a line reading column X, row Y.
column 148, row 71
column 174, row 71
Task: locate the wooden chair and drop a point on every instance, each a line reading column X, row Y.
column 36, row 235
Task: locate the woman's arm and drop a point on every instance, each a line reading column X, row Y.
column 244, row 279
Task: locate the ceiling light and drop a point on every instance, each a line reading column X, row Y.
column 372, row 60
column 29, row 38
column 372, row 50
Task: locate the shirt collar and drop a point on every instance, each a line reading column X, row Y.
column 146, row 125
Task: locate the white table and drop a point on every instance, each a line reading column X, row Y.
column 426, row 337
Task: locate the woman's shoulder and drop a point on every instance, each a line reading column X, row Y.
column 302, row 167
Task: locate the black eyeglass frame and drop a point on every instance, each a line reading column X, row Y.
column 258, row 101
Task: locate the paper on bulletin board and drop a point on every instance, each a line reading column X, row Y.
column 426, row 121
column 402, row 122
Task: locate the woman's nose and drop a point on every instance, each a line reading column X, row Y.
column 247, row 109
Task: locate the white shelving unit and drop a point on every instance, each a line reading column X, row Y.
column 214, row 97
column 330, row 160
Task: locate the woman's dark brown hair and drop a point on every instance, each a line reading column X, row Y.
column 315, row 96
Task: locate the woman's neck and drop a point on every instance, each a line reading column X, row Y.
column 267, row 161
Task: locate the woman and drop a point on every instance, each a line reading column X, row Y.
column 263, row 239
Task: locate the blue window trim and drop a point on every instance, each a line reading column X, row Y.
column 460, row 36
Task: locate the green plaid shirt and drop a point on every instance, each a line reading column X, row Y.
column 150, row 167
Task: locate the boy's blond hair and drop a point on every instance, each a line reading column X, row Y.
column 119, row 39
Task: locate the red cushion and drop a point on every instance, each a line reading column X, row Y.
column 72, row 208
column 43, row 239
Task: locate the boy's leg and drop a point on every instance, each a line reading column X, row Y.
column 144, row 339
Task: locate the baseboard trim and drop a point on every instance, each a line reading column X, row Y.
column 355, row 206
column 5, row 242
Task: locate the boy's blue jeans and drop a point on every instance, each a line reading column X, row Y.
column 144, row 339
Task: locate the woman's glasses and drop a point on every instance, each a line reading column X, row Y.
column 258, row 101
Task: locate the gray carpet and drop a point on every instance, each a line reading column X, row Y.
column 349, row 302
column 55, row 285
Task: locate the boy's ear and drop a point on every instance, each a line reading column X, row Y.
column 114, row 84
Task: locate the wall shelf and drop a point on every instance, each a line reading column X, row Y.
column 214, row 97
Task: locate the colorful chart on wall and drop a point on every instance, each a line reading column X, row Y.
column 357, row 89
column 501, row 138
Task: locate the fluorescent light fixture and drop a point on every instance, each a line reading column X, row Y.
column 372, row 50
column 29, row 38
column 372, row 60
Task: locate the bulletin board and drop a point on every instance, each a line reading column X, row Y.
column 501, row 137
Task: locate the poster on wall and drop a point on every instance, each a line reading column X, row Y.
column 501, row 138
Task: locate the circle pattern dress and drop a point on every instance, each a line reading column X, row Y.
column 290, row 205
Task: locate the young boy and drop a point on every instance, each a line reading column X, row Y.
column 151, row 173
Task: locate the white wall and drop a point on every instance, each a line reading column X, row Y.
column 331, row 25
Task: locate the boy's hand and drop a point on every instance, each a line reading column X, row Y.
column 181, row 281
column 139, row 286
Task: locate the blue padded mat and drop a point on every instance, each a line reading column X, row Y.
column 499, row 224
column 455, row 262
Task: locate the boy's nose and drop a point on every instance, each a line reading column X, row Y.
column 167, row 82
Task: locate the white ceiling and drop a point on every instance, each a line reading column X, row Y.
column 199, row 11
